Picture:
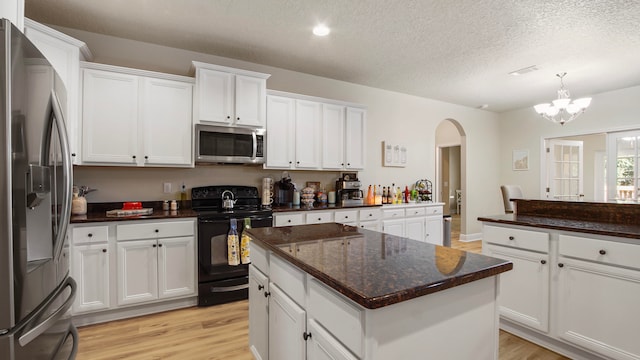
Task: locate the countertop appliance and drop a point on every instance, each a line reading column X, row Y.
column 36, row 290
column 233, row 145
column 349, row 192
column 219, row 282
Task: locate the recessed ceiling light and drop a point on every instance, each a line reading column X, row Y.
column 524, row 70
column 321, row 30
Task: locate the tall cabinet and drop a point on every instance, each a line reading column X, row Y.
column 65, row 54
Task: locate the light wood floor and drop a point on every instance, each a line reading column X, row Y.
column 221, row 332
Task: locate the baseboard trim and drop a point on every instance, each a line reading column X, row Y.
column 470, row 237
column 547, row 342
column 132, row 311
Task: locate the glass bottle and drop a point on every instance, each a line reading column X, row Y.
column 245, row 258
column 232, row 244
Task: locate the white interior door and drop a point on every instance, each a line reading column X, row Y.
column 565, row 169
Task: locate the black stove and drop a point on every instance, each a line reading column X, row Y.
column 219, row 282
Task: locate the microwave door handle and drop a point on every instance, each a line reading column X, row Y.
column 255, row 145
column 67, row 174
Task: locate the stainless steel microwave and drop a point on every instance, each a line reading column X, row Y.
column 233, row 145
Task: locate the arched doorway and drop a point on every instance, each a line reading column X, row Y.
column 451, row 171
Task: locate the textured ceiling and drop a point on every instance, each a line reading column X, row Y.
column 459, row 51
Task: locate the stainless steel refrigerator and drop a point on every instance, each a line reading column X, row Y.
column 36, row 291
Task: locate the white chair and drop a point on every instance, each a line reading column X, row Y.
column 510, row 192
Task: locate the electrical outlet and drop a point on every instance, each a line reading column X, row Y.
column 167, row 188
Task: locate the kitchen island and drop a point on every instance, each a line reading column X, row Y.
column 342, row 292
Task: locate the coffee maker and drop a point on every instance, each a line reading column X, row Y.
column 348, row 189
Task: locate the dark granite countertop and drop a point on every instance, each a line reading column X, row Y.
column 375, row 269
column 317, row 206
column 97, row 212
column 582, row 226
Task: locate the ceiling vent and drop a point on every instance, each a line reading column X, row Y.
column 525, row 70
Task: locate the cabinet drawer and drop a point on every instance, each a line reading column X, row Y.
column 393, row 213
column 433, row 210
column 152, row 230
column 337, row 315
column 319, row 217
column 609, row 252
column 518, row 238
column 370, row 214
column 416, row 211
column 259, row 257
column 290, row 219
column 288, row 278
column 90, row 234
column 346, row 216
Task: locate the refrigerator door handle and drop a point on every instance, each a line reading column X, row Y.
column 67, row 176
column 51, row 319
column 76, row 339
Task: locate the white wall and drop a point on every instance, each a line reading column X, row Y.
column 524, row 129
column 391, row 116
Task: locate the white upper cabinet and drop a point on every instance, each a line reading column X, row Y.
column 280, row 132
column 14, row 11
column 333, row 136
column 64, row 53
column 136, row 118
column 354, row 138
column 228, row 96
column 305, row 132
column 308, row 135
column 166, row 121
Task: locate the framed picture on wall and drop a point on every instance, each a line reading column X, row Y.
column 520, row 160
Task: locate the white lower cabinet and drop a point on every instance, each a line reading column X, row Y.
column 155, row 262
column 524, row 291
column 137, row 271
column 415, row 228
column 434, row 230
column 416, row 222
column 577, row 292
column 155, row 269
column 287, row 327
column 259, row 313
column 90, row 264
column 322, row 346
column 393, row 227
column 365, row 217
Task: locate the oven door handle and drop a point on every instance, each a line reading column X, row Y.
column 218, row 289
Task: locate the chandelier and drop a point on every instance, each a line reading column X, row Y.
column 562, row 110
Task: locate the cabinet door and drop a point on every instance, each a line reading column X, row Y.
column 308, row 134
column 333, row 137
column 109, row 117
column 137, row 271
column 258, row 314
column 214, row 97
column 370, row 225
column 280, row 132
column 287, row 324
column 64, row 56
column 90, row 269
column 322, row 346
column 354, row 138
column 176, row 267
column 250, row 101
column 415, row 228
column 434, row 230
column 598, row 307
column 165, row 114
column 524, row 291
column 393, row 227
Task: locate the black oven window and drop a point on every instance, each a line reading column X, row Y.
column 225, row 144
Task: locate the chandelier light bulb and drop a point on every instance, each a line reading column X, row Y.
column 562, row 110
